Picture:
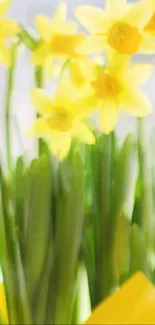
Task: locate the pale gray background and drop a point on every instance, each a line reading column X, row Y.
column 24, row 12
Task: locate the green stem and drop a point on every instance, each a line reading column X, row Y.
column 145, row 183
column 9, row 93
column 27, row 39
column 39, row 84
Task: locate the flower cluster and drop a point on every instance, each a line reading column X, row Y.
column 85, row 83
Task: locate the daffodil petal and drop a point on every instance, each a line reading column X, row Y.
column 136, row 103
column 3, row 306
column 116, row 8
column 4, row 6
column 70, row 27
column 139, row 74
column 117, row 62
column 44, row 26
column 60, row 14
column 5, row 54
column 109, row 116
column 83, row 133
column 93, row 44
column 66, row 92
column 8, row 27
column 40, row 54
column 138, row 291
column 39, row 129
column 59, row 144
column 49, row 67
column 42, row 102
column 138, row 14
column 94, row 19
column 147, row 44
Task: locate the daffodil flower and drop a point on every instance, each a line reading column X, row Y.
column 8, row 28
column 150, row 25
column 61, row 118
column 117, row 87
column 133, row 303
column 59, row 39
column 120, row 27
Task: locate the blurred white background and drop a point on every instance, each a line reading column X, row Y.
column 24, row 12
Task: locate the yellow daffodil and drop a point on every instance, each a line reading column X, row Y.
column 116, row 88
column 120, row 27
column 8, row 28
column 61, row 118
column 132, row 304
column 150, row 25
column 59, row 39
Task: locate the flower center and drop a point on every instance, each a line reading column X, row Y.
column 63, row 44
column 106, row 86
column 150, row 26
column 62, row 121
column 124, row 38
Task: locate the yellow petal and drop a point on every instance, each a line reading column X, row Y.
column 83, row 133
column 138, row 14
column 93, row 44
column 70, row 27
column 118, row 62
column 60, row 14
column 49, row 67
column 44, row 26
column 136, row 103
column 94, row 19
column 66, row 91
column 39, row 129
column 3, row 306
column 5, row 54
column 4, row 5
column 139, row 74
column 126, row 303
column 8, row 27
column 40, row 54
column 116, row 8
column 109, row 116
column 42, row 102
column 60, row 143
column 148, row 44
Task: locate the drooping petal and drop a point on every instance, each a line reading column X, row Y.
column 60, row 143
column 93, row 44
column 116, row 8
column 136, row 103
column 49, row 67
column 138, row 74
column 5, row 54
column 60, row 14
column 94, row 19
column 141, row 294
column 138, row 14
column 40, row 54
column 42, row 102
column 8, row 27
column 82, row 132
column 147, row 44
column 39, row 129
column 44, row 26
column 109, row 116
column 4, row 5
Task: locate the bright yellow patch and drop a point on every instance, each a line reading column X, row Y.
column 106, row 85
column 150, row 27
column 63, row 44
column 124, row 38
column 62, row 121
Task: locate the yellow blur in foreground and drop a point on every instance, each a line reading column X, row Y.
column 134, row 303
